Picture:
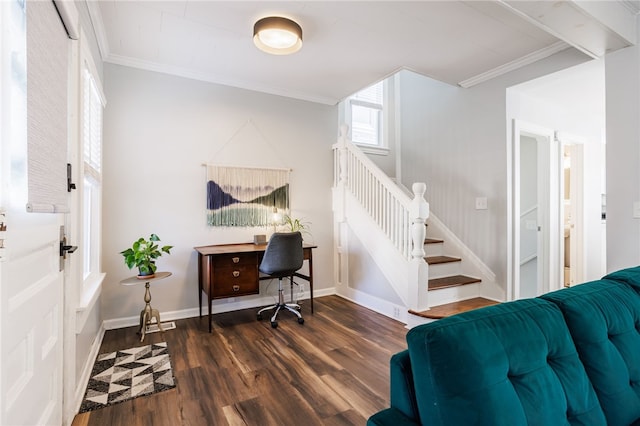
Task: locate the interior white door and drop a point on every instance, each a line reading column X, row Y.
column 534, row 262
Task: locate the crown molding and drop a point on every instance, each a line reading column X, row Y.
column 209, row 78
column 514, row 65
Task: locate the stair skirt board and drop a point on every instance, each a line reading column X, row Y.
column 446, row 310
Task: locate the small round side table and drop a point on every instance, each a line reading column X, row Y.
column 148, row 312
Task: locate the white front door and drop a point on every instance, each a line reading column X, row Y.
column 31, row 280
column 31, row 318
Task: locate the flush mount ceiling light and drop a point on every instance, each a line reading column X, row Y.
column 277, row 35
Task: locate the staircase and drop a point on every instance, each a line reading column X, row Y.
column 423, row 275
column 446, row 276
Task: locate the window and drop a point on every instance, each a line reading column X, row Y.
column 92, row 109
column 366, row 115
column 13, row 105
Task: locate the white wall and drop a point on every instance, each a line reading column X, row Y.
column 158, row 131
column 623, row 157
column 455, row 140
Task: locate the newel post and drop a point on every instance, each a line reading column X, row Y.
column 418, row 268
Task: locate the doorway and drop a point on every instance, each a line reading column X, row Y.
column 572, row 186
column 546, row 210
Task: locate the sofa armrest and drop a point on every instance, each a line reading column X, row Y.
column 403, row 394
column 391, row 417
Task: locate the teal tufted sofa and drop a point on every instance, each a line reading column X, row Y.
column 570, row 357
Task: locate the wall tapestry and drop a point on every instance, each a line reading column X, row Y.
column 239, row 196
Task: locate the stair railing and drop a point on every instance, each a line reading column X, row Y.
column 399, row 217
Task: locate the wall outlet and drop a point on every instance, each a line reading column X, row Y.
column 481, row 203
column 396, row 312
column 301, row 288
column 636, row 210
column 231, row 299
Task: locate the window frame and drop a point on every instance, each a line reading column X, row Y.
column 382, row 145
column 90, row 188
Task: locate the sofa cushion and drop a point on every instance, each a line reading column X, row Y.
column 391, row 416
column 509, row 364
column 403, row 396
column 604, row 320
column 630, row 276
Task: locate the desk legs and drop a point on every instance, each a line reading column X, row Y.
column 205, row 263
column 148, row 313
column 311, row 277
column 200, row 283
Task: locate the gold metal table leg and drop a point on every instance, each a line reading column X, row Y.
column 148, row 313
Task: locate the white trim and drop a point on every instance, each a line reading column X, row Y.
column 86, row 369
column 376, row 304
column 91, row 290
column 216, row 308
column 373, row 149
column 515, row 64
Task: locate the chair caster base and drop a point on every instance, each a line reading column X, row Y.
column 274, row 324
column 300, row 320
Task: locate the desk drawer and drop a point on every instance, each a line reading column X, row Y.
column 235, row 275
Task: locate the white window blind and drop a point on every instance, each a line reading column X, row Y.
column 47, row 62
column 372, row 94
column 92, row 126
column 366, row 115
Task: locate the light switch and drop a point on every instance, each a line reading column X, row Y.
column 636, row 210
column 481, row 203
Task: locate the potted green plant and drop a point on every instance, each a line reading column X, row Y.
column 143, row 254
column 296, row 225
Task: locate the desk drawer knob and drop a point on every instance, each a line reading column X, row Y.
column 235, row 259
column 236, row 288
column 236, row 274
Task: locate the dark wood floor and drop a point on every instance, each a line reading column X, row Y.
column 333, row 370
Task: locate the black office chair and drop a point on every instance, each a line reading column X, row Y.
column 281, row 259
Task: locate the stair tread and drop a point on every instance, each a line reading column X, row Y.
column 451, row 281
column 433, row 260
column 449, row 309
column 433, row 241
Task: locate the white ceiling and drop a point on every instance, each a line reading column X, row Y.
column 347, row 45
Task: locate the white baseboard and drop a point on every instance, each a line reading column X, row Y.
column 237, row 305
column 381, row 306
column 88, row 366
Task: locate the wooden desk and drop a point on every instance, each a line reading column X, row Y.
column 230, row 270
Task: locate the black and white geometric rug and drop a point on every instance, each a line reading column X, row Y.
column 123, row 375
